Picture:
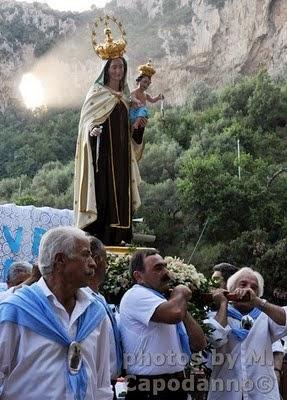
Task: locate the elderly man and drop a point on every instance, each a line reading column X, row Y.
column 18, row 272
column 99, row 255
column 156, row 331
column 54, row 339
column 243, row 333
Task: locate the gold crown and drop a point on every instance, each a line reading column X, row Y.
column 111, row 48
column 147, row 69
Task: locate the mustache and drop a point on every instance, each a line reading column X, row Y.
column 90, row 272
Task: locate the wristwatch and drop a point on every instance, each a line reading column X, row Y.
column 262, row 304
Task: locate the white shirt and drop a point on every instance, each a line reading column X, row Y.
column 33, row 367
column 150, row 348
column 7, row 293
column 113, row 351
column 277, row 347
column 247, row 364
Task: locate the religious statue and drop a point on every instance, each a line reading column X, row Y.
column 106, row 170
column 139, row 99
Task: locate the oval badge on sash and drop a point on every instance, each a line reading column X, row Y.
column 74, row 358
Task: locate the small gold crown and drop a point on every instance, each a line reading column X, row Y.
column 111, row 48
column 147, row 69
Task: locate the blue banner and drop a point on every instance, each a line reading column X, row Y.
column 21, row 229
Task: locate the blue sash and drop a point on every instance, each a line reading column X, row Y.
column 116, row 331
column 241, row 333
column 181, row 332
column 30, row 308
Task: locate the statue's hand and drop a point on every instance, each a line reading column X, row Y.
column 142, row 122
column 96, row 130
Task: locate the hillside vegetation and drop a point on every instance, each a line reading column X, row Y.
column 189, row 171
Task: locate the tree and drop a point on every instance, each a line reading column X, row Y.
column 264, row 103
column 159, row 161
column 160, row 209
column 52, row 186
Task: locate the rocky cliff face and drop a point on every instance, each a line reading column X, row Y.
column 189, row 40
column 27, row 31
column 217, row 40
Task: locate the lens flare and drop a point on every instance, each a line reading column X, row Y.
column 32, row 91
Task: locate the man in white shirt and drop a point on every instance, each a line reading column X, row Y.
column 99, row 255
column 54, row 339
column 242, row 336
column 156, row 332
column 221, row 273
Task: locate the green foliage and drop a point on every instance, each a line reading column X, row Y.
column 235, row 98
column 208, row 255
column 189, row 171
column 264, row 103
column 246, row 249
column 29, row 140
column 52, row 186
column 160, row 209
column 12, row 187
column 117, row 280
column 272, row 265
column 160, row 161
column 179, row 125
column 202, row 96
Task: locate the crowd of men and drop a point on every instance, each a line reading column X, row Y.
column 60, row 340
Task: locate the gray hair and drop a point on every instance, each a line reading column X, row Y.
column 97, row 247
column 58, row 240
column 16, row 268
column 231, row 283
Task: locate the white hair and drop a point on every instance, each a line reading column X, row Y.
column 231, row 283
column 55, row 241
column 16, row 268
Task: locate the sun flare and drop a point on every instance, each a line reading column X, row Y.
column 32, row 91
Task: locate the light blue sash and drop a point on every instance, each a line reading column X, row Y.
column 181, row 333
column 116, row 331
column 241, row 333
column 29, row 307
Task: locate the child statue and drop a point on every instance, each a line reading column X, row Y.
column 138, row 109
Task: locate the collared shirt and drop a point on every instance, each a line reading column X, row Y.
column 150, row 348
column 277, row 347
column 8, row 292
column 244, row 369
column 34, row 367
column 113, row 351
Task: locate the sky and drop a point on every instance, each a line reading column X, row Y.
column 73, row 5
